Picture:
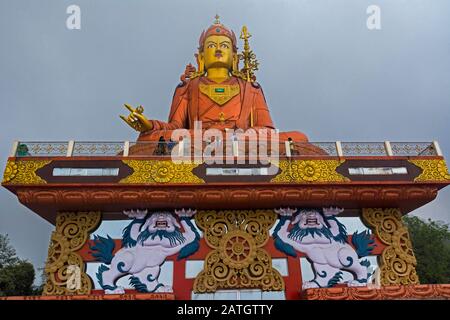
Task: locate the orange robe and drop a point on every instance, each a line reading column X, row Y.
column 189, row 104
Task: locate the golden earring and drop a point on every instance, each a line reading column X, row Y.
column 235, row 63
column 200, row 67
column 200, row 64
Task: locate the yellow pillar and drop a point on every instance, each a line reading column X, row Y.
column 397, row 262
column 65, row 269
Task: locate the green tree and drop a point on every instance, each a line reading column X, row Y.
column 16, row 276
column 37, row 290
column 7, row 252
column 431, row 243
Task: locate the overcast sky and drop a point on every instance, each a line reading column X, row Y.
column 323, row 73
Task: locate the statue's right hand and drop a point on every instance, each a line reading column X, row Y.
column 136, row 119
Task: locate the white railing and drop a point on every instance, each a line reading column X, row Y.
column 163, row 148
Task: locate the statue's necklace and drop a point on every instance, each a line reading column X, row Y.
column 220, row 93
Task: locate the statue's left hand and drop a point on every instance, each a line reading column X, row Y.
column 136, row 119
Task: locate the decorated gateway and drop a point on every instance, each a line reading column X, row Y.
column 217, row 203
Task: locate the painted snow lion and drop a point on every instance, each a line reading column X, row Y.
column 323, row 239
column 146, row 243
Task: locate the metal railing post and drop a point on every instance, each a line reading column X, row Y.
column 126, row 148
column 388, row 148
column 437, row 148
column 70, row 146
column 14, row 149
column 181, row 148
column 287, row 146
column 235, row 148
column 339, row 149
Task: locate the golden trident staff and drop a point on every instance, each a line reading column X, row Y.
column 249, row 58
column 250, row 62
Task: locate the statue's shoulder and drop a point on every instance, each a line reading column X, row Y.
column 189, row 76
column 186, row 85
column 182, row 84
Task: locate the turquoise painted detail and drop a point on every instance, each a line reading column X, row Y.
column 350, row 262
column 127, row 240
column 140, row 287
column 175, row 237
column 342, row 235
column 280, row 244
column 335, row 280
column 102, row 249
column 323, row 275
column 363, row 243
column 120, row 266
column 99, row 276
column 297, row 233
column 192, row 247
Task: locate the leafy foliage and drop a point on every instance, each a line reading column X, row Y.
column 7, row 252
column 431, row 243
column 16, row 276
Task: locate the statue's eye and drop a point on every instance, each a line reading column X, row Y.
column 224, row 45
column 211, row 45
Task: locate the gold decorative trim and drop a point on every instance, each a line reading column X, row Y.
column 219, row 93
column 237, row 259
column 309, row 171
column 398, row 263
column 23, row 172
column 432, row 170
column 160, row 171
column 72, row 230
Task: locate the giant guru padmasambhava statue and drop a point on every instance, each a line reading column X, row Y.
column 218, row 94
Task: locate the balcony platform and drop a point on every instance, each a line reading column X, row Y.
column 96, row 176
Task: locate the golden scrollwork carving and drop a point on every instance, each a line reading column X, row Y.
column 72, row 230
column 237, row 259
column 308, row 171
column 432, row 170
column 10, row 171
column 398, row 263
column 23, row 172
column 160, row 171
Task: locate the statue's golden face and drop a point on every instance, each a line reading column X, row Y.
column 218, row 52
